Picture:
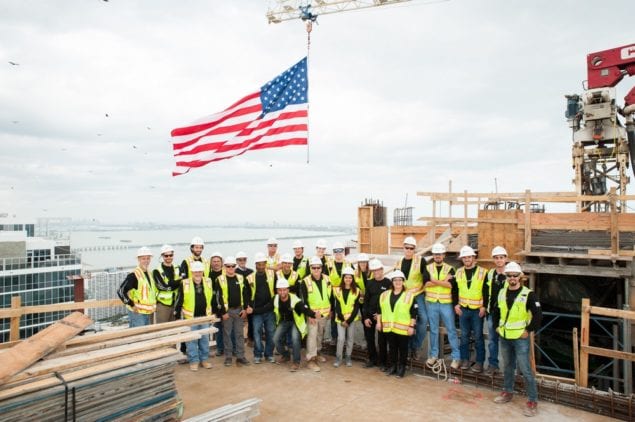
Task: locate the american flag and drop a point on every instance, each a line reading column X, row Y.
column 275, row 116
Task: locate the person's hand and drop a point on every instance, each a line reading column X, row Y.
column 411, row 331
column 345, row 324
column 225, row 317
column 249, row 310
column 318, row 315
column 482, row 311
column 312, row 321
column 367, row 323
column 378, row 326
column 498, row 331
column 457, row 310
column 525, row 334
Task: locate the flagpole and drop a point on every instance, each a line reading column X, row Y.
column 309, row 27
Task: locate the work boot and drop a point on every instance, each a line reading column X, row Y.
column 228, row 361
column 337, row 362
column 491, row 371
column 455, row 364
column 321, row 359
column 531, row 409
column 349, row 361
column 401, row 371
column 414, row 354
column 242, row 361
column 219, row 352
column 431, row 361
column 504, row 397
column 294, row 367
column 312, row 365
column 392, row 370
column 283, row 359
column 369, row 364
column 205, row 364
column 270, row 359
column 194, row 366
column 477, row 368
column 465, row 365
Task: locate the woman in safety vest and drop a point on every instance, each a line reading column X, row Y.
column 346, row 306
column 397, row 318
column 362, row 274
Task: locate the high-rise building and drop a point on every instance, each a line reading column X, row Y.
column 103, row 285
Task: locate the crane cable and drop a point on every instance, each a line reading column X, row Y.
column 309, row 28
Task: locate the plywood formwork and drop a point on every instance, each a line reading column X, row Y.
column 506, row 234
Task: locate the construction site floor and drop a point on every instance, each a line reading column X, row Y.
column 351, row 394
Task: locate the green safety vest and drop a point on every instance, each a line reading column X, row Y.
column 359, row 280
column 189, row 297
column 439, row 293
column 396, row 320
column 414, row 283
column 222, row 282
column 191, row 259
column 336, row 279
column 292, row 278
column 302, row 268
column 164, row 296
column 319, row 302
column 251, row 279
column 300, row 320
column 473, row 297
column 143, row 296
column 272, row 261
column 513, row 321
column 348, row 305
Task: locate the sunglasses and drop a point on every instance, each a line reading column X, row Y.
column 513, row 275
column 273, row 245
column 338, row 250
column 230, row 266
column 165, row 255
column 410, row 248
column 316, row 268
column 241, row 259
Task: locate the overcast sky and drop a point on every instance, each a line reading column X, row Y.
column 402, row 99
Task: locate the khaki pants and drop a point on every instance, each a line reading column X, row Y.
column 163, row 313
column 315, row 337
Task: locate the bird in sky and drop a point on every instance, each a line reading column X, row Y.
column 14, row 63
column 107, row 115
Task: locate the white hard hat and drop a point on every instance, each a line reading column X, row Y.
column 282, row 283
column 466, row 251
column 396, row 274
column 197, row 266
column 321, row 243
column 166, row 248
column 438, row 248
column 315, row 261
column 240, row 255
column 197, row 241
column 348, row 271
column 410, row 241
column 338, row 245
column 260, row 257
column 513, row 267
column 362, row 257
column 499, row 250
column 217, row 254
column 287, row 258
column 230, row 260
column 272, row 241
column 375, row 264
column 144, row 251
column 298, row 244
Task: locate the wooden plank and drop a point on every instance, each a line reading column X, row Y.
column 608, row 252
column 70, row 306
column 16, row 302
column 609, row 353
column 615, row 233
column 582, row 270
column 528, row 226
column 612, row 312
column 584, row 340
column 583, row 221
column 576, row 356
column 29, row 351
column 532, row 353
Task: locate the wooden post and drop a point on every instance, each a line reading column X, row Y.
column 576, row 356
column 584, row 340
column 615, row 233
column 16, row 303
column 532, row 354
column 465, row 217
column 527, row 220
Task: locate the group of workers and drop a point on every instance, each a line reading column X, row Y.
column 291, row 298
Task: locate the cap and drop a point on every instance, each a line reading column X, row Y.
column 166, row 248
column 260, row 257
column 286, row 258
column 513, row 267
column 315, row 261
column 466, row 251
column 298, row 244
column 499, row 250
column 397, row 274
column 282, row 283
column 240, row 255
column 144, row 251
column 197, row 266
column 230, row 260
column 438, row 248
column 375, row 264
column 410, row 241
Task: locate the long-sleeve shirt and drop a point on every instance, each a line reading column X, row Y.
column 374, row 289
column 263, row 301
column 129, row 283
column 469, row 272
column 286, row 314
column 337, row 306
column 531, row 305
column 498, row 281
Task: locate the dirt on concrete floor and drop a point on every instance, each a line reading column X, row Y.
column 351, row 394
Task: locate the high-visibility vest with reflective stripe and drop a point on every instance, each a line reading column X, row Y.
column 251, row 279
column 361, row 284
column 414, row 283
column 272, row 261
column 300, row 320
column 513, row 321
column 490, row 283
column 164, row 296
column 347, row 305
column 302, row 271
column 336, row 279
column 191, row 259
column 439, row 293
column 319, row 302
column 222, row 282
column 143, row 296
column 473, row 297
column 396, row 320
column 189, row 297
column 291, row 278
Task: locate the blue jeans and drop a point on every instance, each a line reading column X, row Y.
column 492, row 345
column 416, row 341
column 266, row 321
column 515, row 353
column 442, row 311
column 138, row 320
column 469, row 321
column 280, row 337
column 220, row 344
column 198, row 350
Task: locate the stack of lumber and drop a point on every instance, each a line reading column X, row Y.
column 244, row 411
column 118, row 375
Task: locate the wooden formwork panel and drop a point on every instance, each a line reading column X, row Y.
column 508, row 235
column 577, row 221
column 365, row 217
column 379, row 240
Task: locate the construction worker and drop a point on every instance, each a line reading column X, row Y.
column 397, row 318
column 315, row 291
column 346, row 310
column 196, row 301
column 273, row 258
column 413, row 267
column 216, row 269
column 320, row 252
column 362, row 273
column 137, row 293
column 242, row 269
column 300, row 262
column 495, row 282
column 518, row 314
column 261, row 283
column 377, row 285
column 438, row 286
column 287, row 272
column 167, row 283
column 291, row 313
column 234, row 307
column 196, row 248
column 469, row 298
column 335, row 267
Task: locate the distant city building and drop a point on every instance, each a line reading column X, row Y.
column 103, row 285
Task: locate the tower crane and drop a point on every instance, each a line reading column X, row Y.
column 285, row 10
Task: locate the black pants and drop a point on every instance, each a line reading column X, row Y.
column 380, row 359
column 250, row 327
column 398, row 348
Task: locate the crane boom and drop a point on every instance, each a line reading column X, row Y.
column 285, row 10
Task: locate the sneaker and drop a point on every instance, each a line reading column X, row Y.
column 477, row 368
column 219, row 352
column 270, row 359
column 257, row 360
column 491, row 370
column 294, row 367
column 283, row 359
column 337, row 362
column 206, row 365
column 504, row 397
column 228, row 361
column 321, row 359
column 349, row 361
column 455, row 364
column 194, row 366
column 431, row 361
column 242, row 361
column 465, row 365
column 531, row 409
column 312, row 365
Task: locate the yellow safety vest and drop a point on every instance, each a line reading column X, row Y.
column 336, row 279
column 291, row 278
column 300, row 320
column 302, row 268
column 191, row 259
column 319, row 302
column 272, row 261
column 143, row 296
column 348, row 305
column 222, row 282
column 513, row 321
column 359, row 280
column 490, row 278
column 164, row 296
column 414, row 283
column 473, row 297
column 251, row 279
column 189, row 297
column 396, row 320
column 439, row 293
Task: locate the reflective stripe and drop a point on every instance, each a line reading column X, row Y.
column 319, row 302
column 471, row 297
column 513, row 321
column 439, row 293
column 143, row 296
column 396, row 320
column 432, row 296
column 300, row 320
column 414, row 282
